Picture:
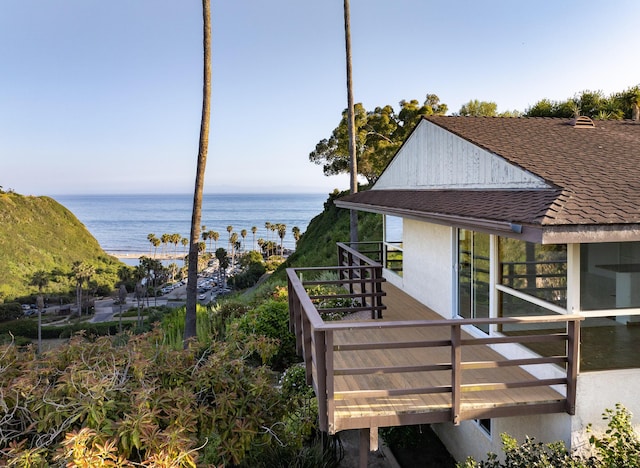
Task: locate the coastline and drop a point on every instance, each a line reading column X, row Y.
column 137, row 255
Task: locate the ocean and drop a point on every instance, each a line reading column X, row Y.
column 121, row 223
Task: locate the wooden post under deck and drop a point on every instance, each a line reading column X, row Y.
column 363, row 455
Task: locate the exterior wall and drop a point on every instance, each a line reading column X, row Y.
column 437, row 159
column 601, row 390
column 469, row 440
column 427, row 265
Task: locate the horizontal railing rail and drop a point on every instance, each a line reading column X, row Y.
column 315, row 342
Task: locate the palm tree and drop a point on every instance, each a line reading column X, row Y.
column 165, row 239
column 295, row 230
column 184, row 241
column 233, row 238
column 282, row 231
column 203, row 146
column 82, row 273
column 215, row 236
column 353, row 214
column 156, row 243
column 205, row 236
column 175, row 240
column 261, row 243
column 150, row 238
column 243, row 234
column 273, row 228
column 229, row 229
column 254, row 229
column 267, row 226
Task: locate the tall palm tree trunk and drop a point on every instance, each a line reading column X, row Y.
column 196, row 215
column 353, row 214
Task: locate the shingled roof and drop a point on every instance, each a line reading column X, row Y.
column 593, row 176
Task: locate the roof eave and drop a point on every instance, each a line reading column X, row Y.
column 529, row 233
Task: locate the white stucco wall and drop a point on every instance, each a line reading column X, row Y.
column 427, row 265
column 469, row 440
column 597, row 391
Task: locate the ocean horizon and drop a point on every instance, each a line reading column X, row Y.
column 121, row 222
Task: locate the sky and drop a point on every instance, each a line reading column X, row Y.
column 105, row 96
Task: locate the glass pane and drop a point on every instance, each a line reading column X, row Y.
column 610, row 275
column 473, row 275
column 464, row 272
column 392, row 229
column 535, row 269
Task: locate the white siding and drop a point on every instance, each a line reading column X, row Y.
column 433, row 158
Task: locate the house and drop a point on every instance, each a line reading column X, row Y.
column 492, row 222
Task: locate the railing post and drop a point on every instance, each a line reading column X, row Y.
column 377, row 290
column 321, row 379
column 456, row 372
column 351, row 271
column 331, row 404
column 573, row 363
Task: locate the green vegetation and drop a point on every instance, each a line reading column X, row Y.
column 38, row 234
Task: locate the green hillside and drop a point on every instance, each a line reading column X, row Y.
column 317, row 246
column 37, row 233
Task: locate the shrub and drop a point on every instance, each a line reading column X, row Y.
column 91, row 403
column 617, row 447
column 271, row 320
column 10, row 311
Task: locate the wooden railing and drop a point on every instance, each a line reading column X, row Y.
column 388, row 254
column 315, row 342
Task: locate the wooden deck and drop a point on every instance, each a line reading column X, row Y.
column 412, row 366
column 368, row 400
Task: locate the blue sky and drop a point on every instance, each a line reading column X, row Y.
column 105, row 96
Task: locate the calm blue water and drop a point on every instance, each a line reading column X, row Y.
column 121, row 223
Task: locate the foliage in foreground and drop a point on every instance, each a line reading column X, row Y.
column 618, row 447
column 92, row 402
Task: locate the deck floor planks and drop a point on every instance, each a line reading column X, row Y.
column 400, row 306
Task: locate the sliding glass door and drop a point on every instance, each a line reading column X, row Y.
column 473, row 275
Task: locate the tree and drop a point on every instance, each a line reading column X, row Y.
column 203, row 146
column 233, row 239
column 215, row 236
column 282, row 232
column 295, row 230
column 254, row 229
column 150, row 238
column 82, row 273
column 156, row 243
column 379, row 134
column 243, row 234
column 205, row 236
column 351, row 126
column 223, row 264
column 477, row 108
column 165, row 239
column 185, row 242
column 175, row 240
column 229, row 230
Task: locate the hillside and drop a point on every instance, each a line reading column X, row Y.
column 37, row 233
column 317, row 246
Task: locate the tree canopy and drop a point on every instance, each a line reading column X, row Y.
column 379, row 134
column 594, row 104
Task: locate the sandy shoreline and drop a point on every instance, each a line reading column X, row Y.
column 130, row 255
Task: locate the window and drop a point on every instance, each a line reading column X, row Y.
column 393, row 254
column 533, row 269
column 610, row 275
column 485, row 425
